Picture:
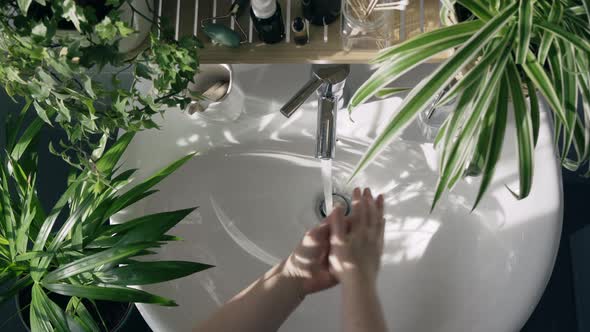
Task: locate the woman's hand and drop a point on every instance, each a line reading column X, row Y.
column 309, row 261
column 357, row 240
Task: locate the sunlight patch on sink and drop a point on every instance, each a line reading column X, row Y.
column 240, row 239
column 229, row 137
column 407, row 241
column 295, row 159
column 265, row 121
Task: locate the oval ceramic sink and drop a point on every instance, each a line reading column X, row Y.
column 258, row 188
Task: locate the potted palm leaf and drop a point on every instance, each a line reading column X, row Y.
column 69, row 264
column 504, row 51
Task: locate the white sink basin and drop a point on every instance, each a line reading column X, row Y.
column 258, row 188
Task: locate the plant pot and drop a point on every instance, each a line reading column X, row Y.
column 130, row 44
column 114, row 314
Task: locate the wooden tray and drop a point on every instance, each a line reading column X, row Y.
column 325, row 45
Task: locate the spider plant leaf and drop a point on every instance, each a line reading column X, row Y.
column 477, row 8
column 564, row 35
column 453, row 166
column 8, row 220
column 570, row 99
column 48, row 308
column 143, row 273
column 494, row 147
column 554, row 16
column 425, row 92
column 464, row 29
column 108, row 293
column 555, row 60
column 483, row 135
column 137, row 192
column 537, row 75
column 525, row 23
column 390, row 92
column 110, row 158
column 586, row 4
column 584, row 87
column 476, row 73
column 463, row 104
column 524, row 131
column 392, row 70
column 440, row 135
column 23, row 5
column 534, row 108
column 577, row 10
column 462, row 147
column 91, row 262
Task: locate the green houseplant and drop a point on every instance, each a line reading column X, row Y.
column 73, row 251
column 505, row 50
column 56, row 71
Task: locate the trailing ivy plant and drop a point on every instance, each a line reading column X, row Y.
column 84, row 258
column 505, row 50
column 55, row 73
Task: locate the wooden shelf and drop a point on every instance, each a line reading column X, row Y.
column 420, row 16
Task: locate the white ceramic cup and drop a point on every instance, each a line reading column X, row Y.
column 229, row 106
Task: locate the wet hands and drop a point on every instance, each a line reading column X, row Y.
column 356, row 241
column 342, row 249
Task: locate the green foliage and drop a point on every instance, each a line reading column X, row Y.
column 83, row 258
column 507, row 49
column 56, row 72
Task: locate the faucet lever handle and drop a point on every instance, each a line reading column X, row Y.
column 301, row 96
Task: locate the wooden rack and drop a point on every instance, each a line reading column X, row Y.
column 324, row 45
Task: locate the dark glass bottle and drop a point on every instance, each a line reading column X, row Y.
column 271, row 29
column 320, row 12
column 299, row 28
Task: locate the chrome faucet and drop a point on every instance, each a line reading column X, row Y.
column 328, row 81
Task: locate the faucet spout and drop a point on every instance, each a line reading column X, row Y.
column 326, row 129
column 329, row 81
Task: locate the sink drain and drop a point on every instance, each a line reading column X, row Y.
column 338, row 199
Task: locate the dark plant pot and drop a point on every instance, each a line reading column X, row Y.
column 114, row 314
column 101, row 10
column 463, row 14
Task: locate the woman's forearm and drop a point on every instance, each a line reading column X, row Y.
column 361, row 307
column 262, row 306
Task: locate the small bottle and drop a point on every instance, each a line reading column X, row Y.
column 268, row 20
column 321, row 12
column 299, row 28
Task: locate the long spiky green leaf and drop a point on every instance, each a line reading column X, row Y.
column 425, row 92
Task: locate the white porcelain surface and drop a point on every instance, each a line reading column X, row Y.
column 258, row 186
column 137, row 22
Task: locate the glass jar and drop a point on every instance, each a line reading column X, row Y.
column 433, row 117
column 365, row 32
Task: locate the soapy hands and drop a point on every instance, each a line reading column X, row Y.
column 344, row 249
